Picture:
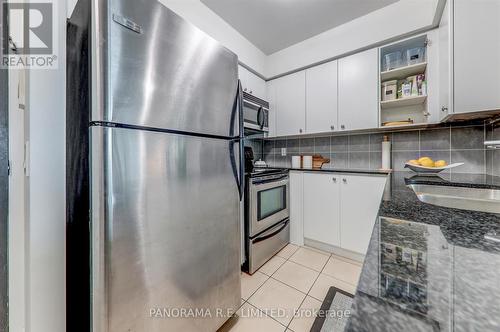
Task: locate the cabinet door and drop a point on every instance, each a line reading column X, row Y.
column 243, row 75
column 359, row 204
column 476, row 61
column 321, row 98
column 252, row 83
column 321, row 208
column 296, row 208
column 291, row 104
column 271, row 98
column 445, row 62
column 257, row 86
column 358, row 91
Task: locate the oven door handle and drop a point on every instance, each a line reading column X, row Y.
column 278, row 182
column 268, row 236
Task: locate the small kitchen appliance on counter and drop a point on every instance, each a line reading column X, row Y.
column 267, row 204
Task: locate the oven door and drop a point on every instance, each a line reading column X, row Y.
column 256, row 117
column 269, row 197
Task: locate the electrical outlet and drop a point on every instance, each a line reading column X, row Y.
column 283, row 152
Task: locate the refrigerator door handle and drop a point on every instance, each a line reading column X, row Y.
column 237, row 177
column 242, row 140
column 236, row 113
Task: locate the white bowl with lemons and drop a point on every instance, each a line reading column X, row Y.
column 427, row 165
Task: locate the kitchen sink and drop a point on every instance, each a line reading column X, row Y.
column 474, row 199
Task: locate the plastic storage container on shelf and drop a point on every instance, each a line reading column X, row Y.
column 415, row 55
column 393, row 60
column 389, row 90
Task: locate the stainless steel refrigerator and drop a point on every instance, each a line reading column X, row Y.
column 154, row 147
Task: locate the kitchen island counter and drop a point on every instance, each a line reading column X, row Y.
column 429, row 268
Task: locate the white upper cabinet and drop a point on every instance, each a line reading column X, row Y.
column 476, row 62
column 445, row 63
column 358, row 91
column 252, row 83
column 271, row 98
column 290, row 104
column 321, row 98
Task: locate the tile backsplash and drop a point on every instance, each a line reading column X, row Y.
column 493, row 156
column 452, row 143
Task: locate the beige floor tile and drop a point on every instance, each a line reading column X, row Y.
column 288, row 251
column 323, row 284
column 250, row 283
column 277, row 300
column 297, row 276
column 342, row 270
column 310, row 258
column 304, row 319
column 348, row 260
column 272, row 265
column 252, row 320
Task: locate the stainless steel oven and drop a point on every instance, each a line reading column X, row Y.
column 269, row 198
column 255, row 114
column 267, row 206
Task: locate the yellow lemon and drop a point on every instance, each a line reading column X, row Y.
column 440, row 163
column 424, row 159
column 413, row 162
column 427, row 162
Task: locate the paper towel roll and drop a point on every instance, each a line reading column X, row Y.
column 307, row 162
column 296, row 161
column 386, row 153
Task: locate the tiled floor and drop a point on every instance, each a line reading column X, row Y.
column 296, row 279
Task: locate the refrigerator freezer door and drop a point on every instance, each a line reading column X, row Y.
column 166, row 231
column 165, row 72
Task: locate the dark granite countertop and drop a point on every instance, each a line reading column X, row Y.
column 429, row 268
column 338, row 170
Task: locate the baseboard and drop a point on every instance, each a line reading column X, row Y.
column 334, row 250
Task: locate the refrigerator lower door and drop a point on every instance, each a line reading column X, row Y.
column 165, row 219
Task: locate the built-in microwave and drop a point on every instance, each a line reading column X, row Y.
column 255, row 114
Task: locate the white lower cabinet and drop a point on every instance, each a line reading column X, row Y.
column 296, row 208
column 339, row 210
column 321, row 206
column 360, row 202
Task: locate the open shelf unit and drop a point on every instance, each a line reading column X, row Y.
column 412, row 108
column 402, row 102
column 403, row 72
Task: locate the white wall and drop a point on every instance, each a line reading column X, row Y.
column 46, row 213
column 400, row 18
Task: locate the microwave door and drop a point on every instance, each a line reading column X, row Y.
column 255, row 116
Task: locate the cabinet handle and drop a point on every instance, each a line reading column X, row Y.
column 300, row 131
column 334, row 180
column 444, row 109
column 344, row 180
column 251, row 92
column 332, row 127
column 342, row 126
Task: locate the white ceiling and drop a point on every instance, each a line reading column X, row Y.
column 273, row 25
